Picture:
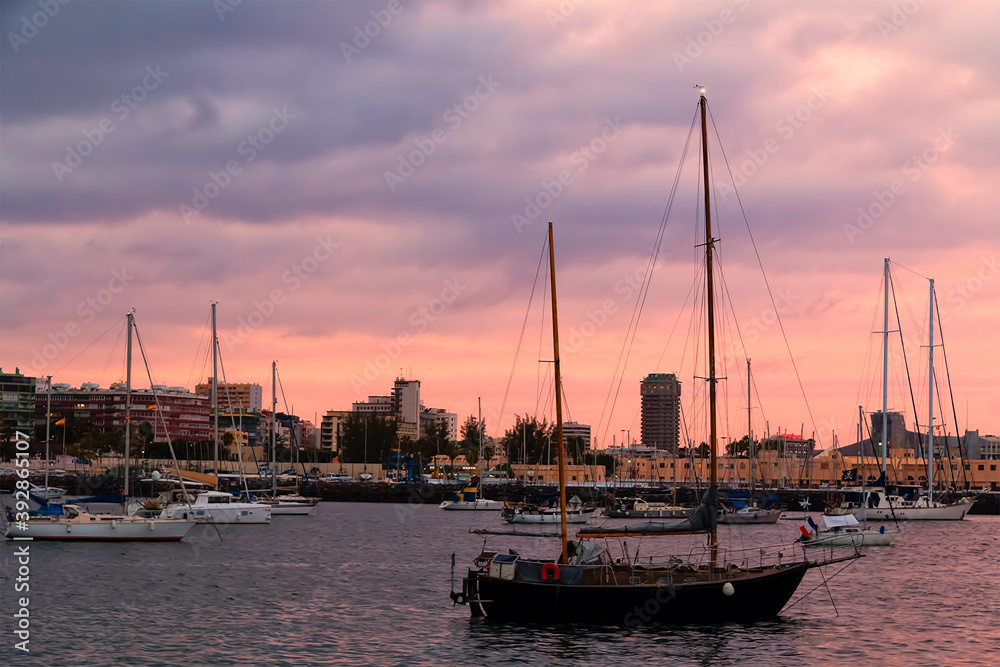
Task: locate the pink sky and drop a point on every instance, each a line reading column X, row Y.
column 291, row 122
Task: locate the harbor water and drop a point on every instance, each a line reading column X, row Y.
column 368, row 584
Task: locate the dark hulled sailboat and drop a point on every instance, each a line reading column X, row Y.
column 586, row 584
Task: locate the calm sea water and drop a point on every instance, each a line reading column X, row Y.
column 368, row 584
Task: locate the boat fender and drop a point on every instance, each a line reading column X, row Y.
column 548, row 568
column 727, row 589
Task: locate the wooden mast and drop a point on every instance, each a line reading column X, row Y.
column 559, row 423
column 713, row 535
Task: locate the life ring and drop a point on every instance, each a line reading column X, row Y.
column 550, row 568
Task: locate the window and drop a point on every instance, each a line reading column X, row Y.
column 993, row 466
column 981, row 467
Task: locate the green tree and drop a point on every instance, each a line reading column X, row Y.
column 381, row 438
column 528, row 434
column 738, row 447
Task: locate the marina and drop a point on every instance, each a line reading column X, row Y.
column 286, row 586
column 561, row 333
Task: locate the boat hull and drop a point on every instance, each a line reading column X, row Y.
column 291, row 509
column 472, row 505
column 232, row 513
column 647, row 514
column 757, row 595
column 953, row 512
column 550, row 517
column 866, row 538
column 742, row 518
column 116, row 529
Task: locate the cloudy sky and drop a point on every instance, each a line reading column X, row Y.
column 363, row 188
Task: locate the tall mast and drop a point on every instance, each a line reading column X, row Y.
column 713, row 536
column 559, row 423
column 128, row 398
column 885, row 372
column 479, row 423
column 274, row 430
column 750, row 451
column 930, row 401
column 215, row 397
column 48, row 414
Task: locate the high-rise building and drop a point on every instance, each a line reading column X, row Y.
column 17, row 393
column 576, row 430
column 406, row 406
column 239, row 395
column 661, row 411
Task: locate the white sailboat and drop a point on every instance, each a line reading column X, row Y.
column 211, row 506
column 876, row 504
column 75, row 524
column 287, row 505
column 845, row 531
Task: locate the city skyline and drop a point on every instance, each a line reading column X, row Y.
column 364, row 192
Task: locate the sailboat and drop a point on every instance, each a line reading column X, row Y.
column 585, row 583
column 289, row 504
column 76, row 524
column 209, row 506
column 468, row 498
column 876, row 503
column 845, row 531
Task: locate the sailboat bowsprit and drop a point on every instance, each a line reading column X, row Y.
column 586, row 584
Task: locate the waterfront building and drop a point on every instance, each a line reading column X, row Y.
column 17, row 402
column 375, row 405
column 406, row 406
column 235, row 396
column 576, row 430
column 661, row 411
column 185, row 414
column 440, row 415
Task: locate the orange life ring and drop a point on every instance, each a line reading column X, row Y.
column 550, row 568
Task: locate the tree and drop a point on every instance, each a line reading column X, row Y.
column 381, row 438
column 704, row 451
column 527, row 434
column 738, row 447
column 593, row 458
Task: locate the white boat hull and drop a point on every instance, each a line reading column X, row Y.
column 953, row 512
column 862, row 538
column 100, row 528
column 473, row 505
column 229, row 513
column 742, row 518
column 551, row 516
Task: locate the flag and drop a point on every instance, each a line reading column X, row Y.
column 61, row 422
column 151, row 407
column 812, row 524
column 849, row 475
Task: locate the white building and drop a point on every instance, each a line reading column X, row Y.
column 576, row 430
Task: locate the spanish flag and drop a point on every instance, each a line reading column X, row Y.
column 151, row 407
column 61, row 422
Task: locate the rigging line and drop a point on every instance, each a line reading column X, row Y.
column 204, row 334
column 916, row 273
column 902, row 345
column 56, row 372
column 541, row 331
column 963, row 442
column 114, row 347
column 637, row 308
column 760, row 263
column 520, row 339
